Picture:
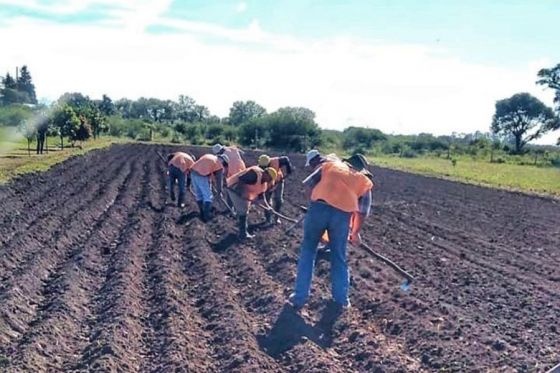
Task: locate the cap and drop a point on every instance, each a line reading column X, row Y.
column 216, row 149
column 310, row 155
column 357, row 161
column 272, row 172
column 264, row 160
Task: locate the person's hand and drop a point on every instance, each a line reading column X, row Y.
column 355, row 239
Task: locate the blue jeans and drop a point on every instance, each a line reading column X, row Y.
column 176, row 174
column 202, row 189
column 320, row 217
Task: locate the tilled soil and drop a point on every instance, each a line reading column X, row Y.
column 101, row 272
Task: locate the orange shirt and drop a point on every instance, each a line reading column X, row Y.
column 182, row 161
column 341, row 186
column 250, row 191
column 235, row 163
column 207, row 165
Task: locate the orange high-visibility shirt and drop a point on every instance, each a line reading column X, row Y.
column 182, row 161
column 235, row 163
column 207, row 165
column 250, row 191
column 341, row 186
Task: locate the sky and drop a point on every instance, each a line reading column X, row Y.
column 402, row 66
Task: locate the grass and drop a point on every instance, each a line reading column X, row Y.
column 14, row 158
column 527, row 178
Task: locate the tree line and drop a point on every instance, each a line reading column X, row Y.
column 518, row 120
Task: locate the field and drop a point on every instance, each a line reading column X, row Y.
column 100, row 272
column 529, row 178
column 15, row 159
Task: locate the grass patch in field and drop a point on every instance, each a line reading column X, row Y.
column 508, row 176
column 16, row 160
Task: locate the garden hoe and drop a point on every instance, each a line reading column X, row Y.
column 405, row 286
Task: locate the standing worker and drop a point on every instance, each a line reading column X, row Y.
column 203, row 170
column 178, row 167
column 283, row 168
column 236, row 163
column 245, row 187
column 338, row 189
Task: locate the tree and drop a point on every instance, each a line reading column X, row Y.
column 361, row 139
column 524, row 117
column 241, row 112
column 66, row 121
column 9, row 94
column 25, row 85
column 106, row 106
column 95, row 120
column 83, row 131
column 551, row 79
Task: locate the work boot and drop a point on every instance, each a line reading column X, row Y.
column 200, row 210
column 268, row 216
column 207, row 211
column 180, row 201
column 243, row 233
column 172, row 195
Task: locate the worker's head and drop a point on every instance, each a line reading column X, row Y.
column 218, row 149
column 264, row 161
column 312, row 158
column 170, row 157
column 269, row 175
column 224, row 159
column 193, row 156
column 357, row 162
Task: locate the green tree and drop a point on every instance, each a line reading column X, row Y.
column 243, row 111
column 524, row 117
column 26, row 86
column 551, row 79
column 66, row 121
column 361, row 139
column 106, row 106
column 83, row 131
column 9, row 94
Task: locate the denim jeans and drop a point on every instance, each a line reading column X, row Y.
column 202, row 188
column 320, row 217
column 176, row 174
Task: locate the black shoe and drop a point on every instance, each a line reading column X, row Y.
column 243, row 233
column 200, row 210
column 207, row 211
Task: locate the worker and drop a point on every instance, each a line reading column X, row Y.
column 234, row 155
column 236, row 162
column 178, row 167
column 208, row 167
column 246, row 187
column 283, row 168
column 314, row 159
column 338, row 189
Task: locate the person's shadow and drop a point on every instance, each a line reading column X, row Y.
column 290, row 329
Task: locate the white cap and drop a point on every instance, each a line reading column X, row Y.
column 310, row 155
column 217, row 148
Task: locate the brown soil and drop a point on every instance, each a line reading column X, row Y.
column 100, row 271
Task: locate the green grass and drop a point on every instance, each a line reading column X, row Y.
column 14, row 158
column 540, row 180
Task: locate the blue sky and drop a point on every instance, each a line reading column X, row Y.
column 402, row 66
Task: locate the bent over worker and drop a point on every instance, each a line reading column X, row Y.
column 236, row 162
column 245, row 187
column 207, row 167
column 178, row 167
column 275, row 192
column 338, row 189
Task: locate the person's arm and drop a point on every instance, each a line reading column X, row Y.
column 364, row 208
column 285, row 162
column 311, row 181
column 249, row 178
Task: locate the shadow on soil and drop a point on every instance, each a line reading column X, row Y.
column 291, row 329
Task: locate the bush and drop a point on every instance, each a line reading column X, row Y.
column 144, row 135
column 14, row 115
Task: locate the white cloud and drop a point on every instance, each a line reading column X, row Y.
column 396, row 88
column 241, row 7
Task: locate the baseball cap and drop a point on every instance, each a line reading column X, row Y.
column 310, row 155
column 217, row 148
